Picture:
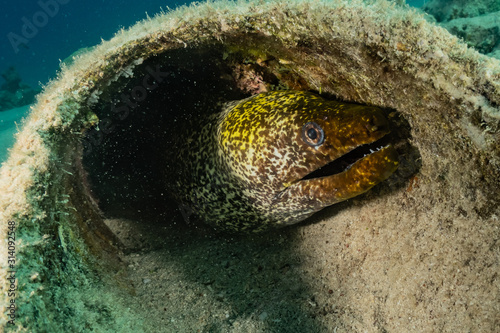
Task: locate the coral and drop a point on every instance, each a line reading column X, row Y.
column 249, row 81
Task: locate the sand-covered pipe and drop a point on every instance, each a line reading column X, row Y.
column 68, row 271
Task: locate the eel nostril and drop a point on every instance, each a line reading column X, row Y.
column 377, row 123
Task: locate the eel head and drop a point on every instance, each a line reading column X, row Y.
column 295, row 153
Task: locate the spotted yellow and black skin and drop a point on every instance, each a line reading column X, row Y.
column 243, row 169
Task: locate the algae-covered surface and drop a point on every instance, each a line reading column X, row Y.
column 98, row 248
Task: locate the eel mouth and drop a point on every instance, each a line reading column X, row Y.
column 346, row 177
column 347, row 160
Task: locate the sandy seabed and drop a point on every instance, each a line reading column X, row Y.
column 353, row 267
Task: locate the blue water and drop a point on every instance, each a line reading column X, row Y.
column 73, row 25
column 9, row 122
column 62, row 27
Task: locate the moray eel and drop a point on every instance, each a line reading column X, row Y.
column 273, row 160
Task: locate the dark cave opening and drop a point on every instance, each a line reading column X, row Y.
column 125, row 153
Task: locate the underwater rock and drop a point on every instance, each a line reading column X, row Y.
column 80, row 190
column 447, row 10
column 495, row 53
column 14, row 93
column 478, row 23
column 480, row 32
column 12, row 80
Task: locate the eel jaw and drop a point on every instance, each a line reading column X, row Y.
column 358, row 178
column 313, row 194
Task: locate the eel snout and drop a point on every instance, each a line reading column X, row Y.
column 374, row 167
column 359, row 155
column 317, row 191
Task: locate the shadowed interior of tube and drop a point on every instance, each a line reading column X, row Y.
column 124, row 155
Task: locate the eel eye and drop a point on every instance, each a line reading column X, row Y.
column 313, row 134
